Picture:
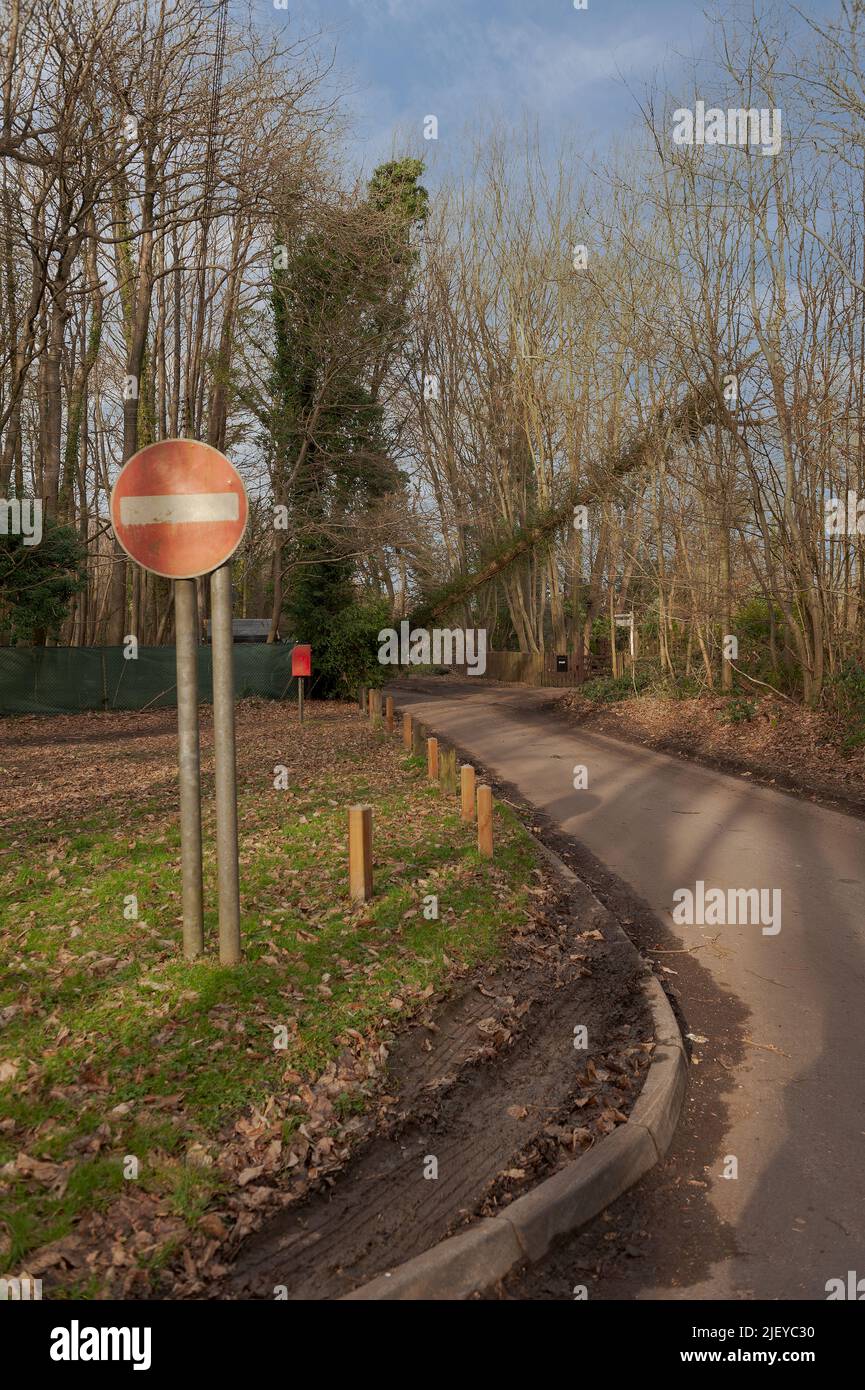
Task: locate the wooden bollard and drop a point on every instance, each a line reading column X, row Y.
column 360, row 853
column 406, row 732
column 389, row 713
column 467, row 793
column 375, row 708
column 418, row 738
column 362, row 699
column 485, row 821
column 432, row 759
column 448, row 770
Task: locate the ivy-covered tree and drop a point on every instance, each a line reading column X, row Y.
column 339, row 306
column 38, row 582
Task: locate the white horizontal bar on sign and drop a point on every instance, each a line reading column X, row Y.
column 179, row 507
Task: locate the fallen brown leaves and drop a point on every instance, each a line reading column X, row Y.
column 262, row 1170
column 267, row 1171
column 604, row 1093
column 801, row 748
column 87, row 761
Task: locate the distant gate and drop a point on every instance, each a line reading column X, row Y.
column 534, row 668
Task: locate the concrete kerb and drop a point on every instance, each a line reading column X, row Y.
column 476, row 1259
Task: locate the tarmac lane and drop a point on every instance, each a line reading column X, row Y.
column 763, row 1194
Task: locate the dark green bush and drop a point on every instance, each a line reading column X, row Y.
column 605, row 690
column 345, row 650
column 37, row 583
column 737, row 710
column 844, row 694
column 752, row 621
column 668, row 687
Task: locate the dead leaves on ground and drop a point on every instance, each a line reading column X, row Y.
column 782, row 740
column 603, row 1095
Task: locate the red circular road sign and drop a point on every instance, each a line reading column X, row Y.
column 179, row 508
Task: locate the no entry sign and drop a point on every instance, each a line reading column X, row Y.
column 179, row 508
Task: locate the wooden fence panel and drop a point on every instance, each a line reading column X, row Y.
column 531, row 668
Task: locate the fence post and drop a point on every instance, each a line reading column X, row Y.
column 375, row 708
column 406, row 732
column 467, row 791
column 418, row 738
column 485, row 821
column 361, row 699
column 432, row 759
column 448, row 770
column 389, row 713
column 360, row 853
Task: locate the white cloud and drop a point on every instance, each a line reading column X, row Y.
column 378, row 10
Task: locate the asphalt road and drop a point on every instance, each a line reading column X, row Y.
column 780, row 1072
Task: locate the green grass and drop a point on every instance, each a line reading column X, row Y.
column 102, row 1011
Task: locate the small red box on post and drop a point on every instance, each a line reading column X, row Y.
column 301, row 667
column 301, row 661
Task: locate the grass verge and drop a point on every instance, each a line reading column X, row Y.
column 127, row 1075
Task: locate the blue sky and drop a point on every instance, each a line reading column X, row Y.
column 469, row 61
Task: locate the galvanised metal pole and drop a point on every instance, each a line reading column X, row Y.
column 224, row 756
column 186, row 647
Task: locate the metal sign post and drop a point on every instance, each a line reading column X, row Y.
column 627, row 620
column 186, row 642
column 226, row 767
column 179, row 509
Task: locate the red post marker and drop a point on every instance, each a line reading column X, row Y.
column 179, row 508
column 301, row 661
column 301, row 667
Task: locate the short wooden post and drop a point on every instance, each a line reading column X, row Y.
column 360, row 853
column 448, row 770
column 467, row 793
column 361, row 699
column 389, row 713
column 406, row 732
column 418, row 738
column 432, row 759
column 375, row 708
column 485, row 821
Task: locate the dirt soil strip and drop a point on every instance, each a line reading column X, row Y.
column 493, row 1089
column 470, row 1264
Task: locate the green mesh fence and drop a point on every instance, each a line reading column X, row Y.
column 67, row 680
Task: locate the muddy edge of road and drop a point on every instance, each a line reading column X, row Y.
column 665, row 1222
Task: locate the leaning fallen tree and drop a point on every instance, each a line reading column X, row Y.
column 670, row 425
